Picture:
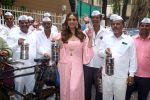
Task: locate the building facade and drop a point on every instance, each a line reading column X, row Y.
column 55, row 6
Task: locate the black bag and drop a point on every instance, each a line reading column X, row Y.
column 51, row 77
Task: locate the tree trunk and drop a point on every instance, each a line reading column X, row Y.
column 124, row 9
column 104, row 8
column 116, row 6
column 139, row 11
column 72, row 4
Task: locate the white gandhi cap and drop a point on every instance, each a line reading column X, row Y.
column 113, row 16
column 30, row 18
column 23, row 17
column 96, row 13
column 47, row 14
column 117, row 18
column 146, row 20
column 46, row 19
column 8, row 14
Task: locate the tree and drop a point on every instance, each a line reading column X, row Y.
column 8, row 2
column 104, row 8
column 116, row 6
column 139, row 11
column 72, row 4
column 124, row 9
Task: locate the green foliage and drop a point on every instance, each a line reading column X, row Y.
column 116, row 6
column 140, row 2
column 8, row 2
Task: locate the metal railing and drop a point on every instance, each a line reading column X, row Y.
column 36, row 14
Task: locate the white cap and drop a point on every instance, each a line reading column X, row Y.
column 30, row 18
column 96, row 13
column 23, row 17
column 146, row 20
column 117, row 18
column 113, row 16
column 46, row 19
column 47, row 14
column 8, row 14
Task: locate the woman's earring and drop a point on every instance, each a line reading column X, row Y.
column 76, row 26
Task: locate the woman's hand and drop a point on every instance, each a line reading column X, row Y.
column 89, row 34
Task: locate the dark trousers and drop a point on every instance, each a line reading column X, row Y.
column 92, row 76
column 142, row 85
column 4, row 94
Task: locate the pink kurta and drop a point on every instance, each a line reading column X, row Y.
column 72, row 57
column 143, row 56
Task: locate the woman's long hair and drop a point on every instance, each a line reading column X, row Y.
column 66, row 33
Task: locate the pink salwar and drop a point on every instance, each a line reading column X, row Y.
column 72, row 57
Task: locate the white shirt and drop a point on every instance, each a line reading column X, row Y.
column 123, row 52
column 8, row 30
column 109, row 29
column 44, row 43
column 3, row 32
column 97, row 61
column 13, row 43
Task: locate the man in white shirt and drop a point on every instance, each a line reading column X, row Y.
column 15, row 40
column 122, row 49
column 111, row 18
column 92, row 71
column 9, row 23
column 44, row 41
column 53, row 27
column 45, row 37
column 3, row 33
column 3, row 30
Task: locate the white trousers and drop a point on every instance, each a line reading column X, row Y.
column 113, row 86
column 28, row 82
column 24, row 81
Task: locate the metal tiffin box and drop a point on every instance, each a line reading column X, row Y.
column 109, row 66
column 24, row 53
column 55, row 51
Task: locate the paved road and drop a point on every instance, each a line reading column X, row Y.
column 133, row 97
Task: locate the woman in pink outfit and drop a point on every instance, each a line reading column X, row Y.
column 75, row 50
